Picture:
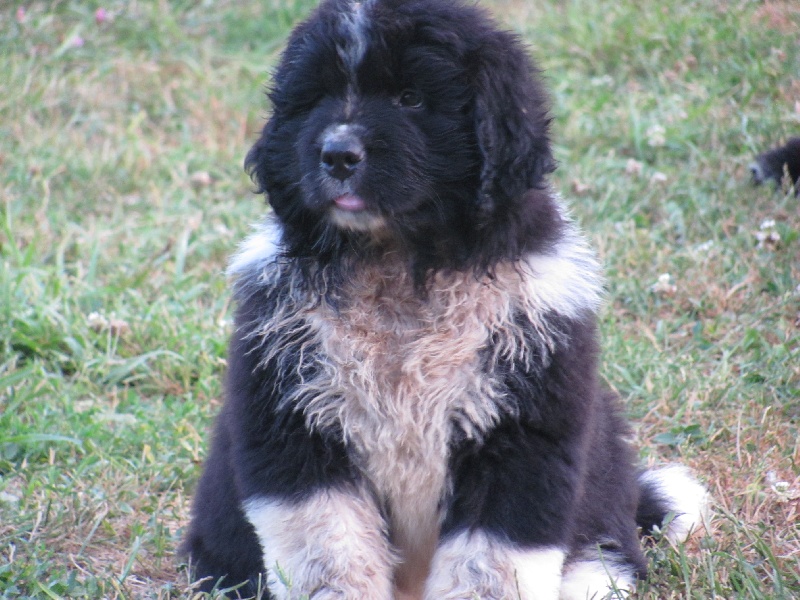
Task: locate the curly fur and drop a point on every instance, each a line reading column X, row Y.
column 412, row 402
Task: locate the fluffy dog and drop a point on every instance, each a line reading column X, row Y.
column 413, row 408
column 769, row 166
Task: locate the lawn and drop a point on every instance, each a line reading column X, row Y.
column 123, row 128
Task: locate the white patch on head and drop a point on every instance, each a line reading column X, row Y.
column 335, row 542
column 686, row 498
column 257, row 250
column 606, row 577
column 475, row 565
column 352, row 27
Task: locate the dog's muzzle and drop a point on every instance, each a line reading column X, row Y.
column 342, row 153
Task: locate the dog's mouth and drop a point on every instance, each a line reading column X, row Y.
column 349, row 211
column 350, row 203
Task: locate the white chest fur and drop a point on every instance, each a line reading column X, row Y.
column 401, row 372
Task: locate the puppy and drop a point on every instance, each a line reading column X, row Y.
column 770, row 165
column 413, row 408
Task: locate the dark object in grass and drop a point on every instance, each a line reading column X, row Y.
column 774, row 164
column 413, row 407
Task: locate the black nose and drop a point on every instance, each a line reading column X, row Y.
column 341, row 156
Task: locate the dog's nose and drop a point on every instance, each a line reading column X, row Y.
column 341, row 156
column 756, row 173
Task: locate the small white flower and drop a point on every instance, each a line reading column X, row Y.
column 705, row 246
column 656, row 136
column 633, row 167
column 782, row 489
column 766, row 236
column 658, row 177
column 222, row 230
column 200, row 179
column 767, row 224
column 664, row 286
column 96, row 321
column 604, row 80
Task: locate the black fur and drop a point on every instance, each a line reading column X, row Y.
column 558, row 471
column 769, row 166
column 455, row 131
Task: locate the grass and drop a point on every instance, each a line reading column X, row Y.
column 121, row 145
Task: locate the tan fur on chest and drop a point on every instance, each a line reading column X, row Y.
column 400, row 371
column 397, row 374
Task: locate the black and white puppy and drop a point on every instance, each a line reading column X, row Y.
column 770, row 165
column 413, row 406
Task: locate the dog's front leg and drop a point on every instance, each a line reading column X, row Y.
column 508, row 521
column 479, row 564
column 330, row 545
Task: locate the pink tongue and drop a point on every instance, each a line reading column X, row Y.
column 349, row 202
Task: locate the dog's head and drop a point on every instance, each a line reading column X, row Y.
column 411, row 126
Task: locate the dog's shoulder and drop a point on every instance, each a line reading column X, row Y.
column 259, row 249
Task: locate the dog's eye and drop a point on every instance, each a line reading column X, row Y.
column 410, row 99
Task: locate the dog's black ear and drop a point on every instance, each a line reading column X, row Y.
column 254, row 164
column 512, row 122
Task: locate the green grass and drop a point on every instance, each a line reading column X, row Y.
column 122, row 195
